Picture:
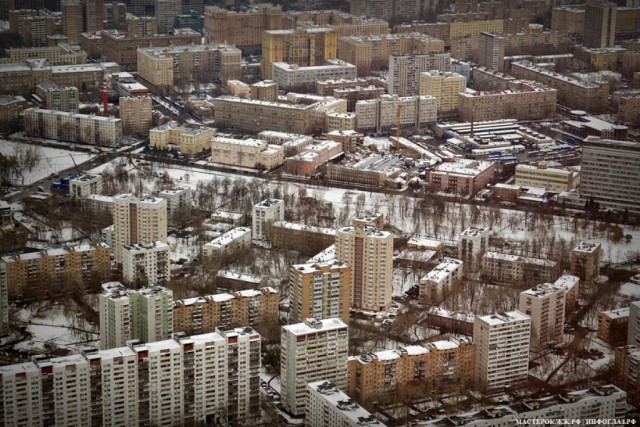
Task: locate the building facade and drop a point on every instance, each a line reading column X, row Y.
column 145, row 263
column 328, row 406
column 233, row 240
column 552, row 179
column 405, row 70
column 585, row 261
column 464, row 176
column 506, row 268
column 136, row 113
column 599, row 24
column 545, row 304
column 289, row 75
column 188, row 140
column 311, row 351
column 444, row 87
column 85, row 185
column 613, row 326
column 263, row 215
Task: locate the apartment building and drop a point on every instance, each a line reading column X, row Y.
column 169, row 65
column 552, row 179
column 96, row 204
column 311, row 351
column 609, row 173
column 405, row 70
column 11, row 107
column 138, row 220
column 505, row 268
column 179, row 202
column 573, row 93
column 626, row 368
column 545, row 304
column 62, row 54
column 289, row 75
column 585, row 261
column 122, row 47
column 72, row 24
column 491, row 51
column 306, row 239
column 568, row 18
column 444, row 87
column 441, row 279
column 502, row 349
column 369, row 252
column 439, row 364
column 188, row 140
column 472, row 244
column 534, row 42
column 613, row 326
column 34, row 26
column 356, row 93
column 328, row 406
column 464, row 176
column 136, row 113
column 348, row 138
column 126, row 314
column 81, row 128
column 372, row 52
column 522, row 101
column 245, row 307
column 142, row 383
column 4, row 303
column 84, row 185
column 602, row 402
column 145, row 263
column 629, row 109
column 45, row 270
column 633, row 329
column 234, row 239
column 319, row 290
column 381, row 114
column 599, row 24
column 263, row 215
column 301, row 46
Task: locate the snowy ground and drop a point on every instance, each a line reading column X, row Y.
column 52, row 160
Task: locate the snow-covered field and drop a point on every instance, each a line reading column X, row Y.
column 52, row 160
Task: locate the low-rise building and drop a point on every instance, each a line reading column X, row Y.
column 506, row 268
column 462, row 176
column 552, row 179
column 188, row 140
column 441, row 279
column 307, row 239
column 246, row 153
column 235, row 239
column 612, row 326
column 308, row 161
column 206, row 313
column 291, row 75
column 84, row 185
column 438, row 364
column 328, row 406
column 376, row 170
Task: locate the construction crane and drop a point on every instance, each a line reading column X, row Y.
column 74, row 164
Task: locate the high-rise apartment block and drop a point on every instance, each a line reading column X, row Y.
column 178, row 202
column 58, row 98
column 246, row 307
column 311, row 351
column 405, row 70
column 263, row 215
column 502, row 349
column 145, row 314
column 138, row 220
column 613, row 326
column 166, row 12
column 136, row 113
column 440, row 364
column 329, row 406
column 369, row 253
column 472, row 244
column 609, row 173
column 585, row 261
column 44, row 270
column 202, row 379
column 599, row 23
column 304, row 47
column 627, row 371
column 319, row 290
column 72, row 24
column 93, row 15
column 146, row 263
column 633, row 328
column 444, row 87
column 381, row 114
column 491, row 51
column 545, row 304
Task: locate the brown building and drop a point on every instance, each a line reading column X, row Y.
column 629, row 110
column 537, row 43
column 123, row 48
column 248, row 307
column 47, row 270
column 505, row 268
column 319, row 291
column 524, row 100
column 585, row 261
column 591, row 97
column 569, row 19
column 438, row 365
column 306, row 239
column 612, row 326
column 627, row 371
column 10, row 109
column 236, row 281
column 265, row 90
column 136, row 114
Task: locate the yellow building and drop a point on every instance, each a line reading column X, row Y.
column 438, row 365
column 551, row 179
column 444, row 87
column 247, row 307
column 321, row 291
column 304, row 47
column 188, row 140
column 136, row 114
column 246, row 153
column 463, row 29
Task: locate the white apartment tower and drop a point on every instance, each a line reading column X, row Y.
column 138, row 220
column 312, row 351
column 328, row 406
column 405, row 70
column 178, row 202
column 502, row 349
column 545, row 304
column 207, row 379
column 125, row 314
column 472, row 244
column 146, row 263
column 369, row 252
column 264, row 214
